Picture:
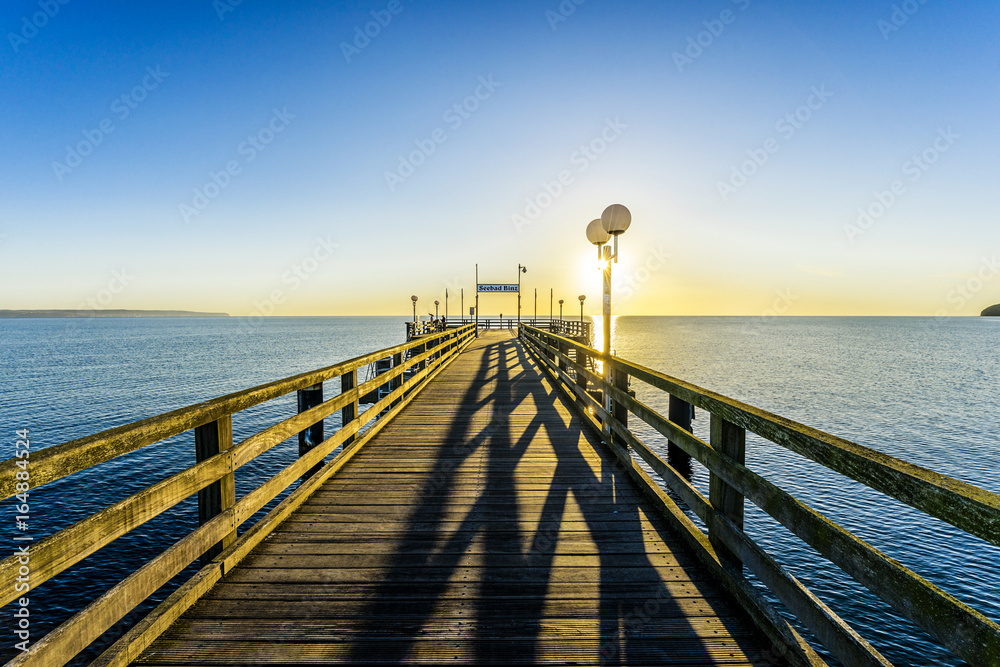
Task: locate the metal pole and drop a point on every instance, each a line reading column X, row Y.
column 536, row 303
column 551, row 312
column 446, row 306
column 518, row 295
column 462, row 303
column 606, row 346
column 477, row 300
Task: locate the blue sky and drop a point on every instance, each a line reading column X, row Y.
column 254, row 168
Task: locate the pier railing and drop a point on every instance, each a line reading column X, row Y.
column 572, row 328
column 215, row 541
column 726, row 549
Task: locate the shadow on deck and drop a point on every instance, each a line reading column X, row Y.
column 484, row 525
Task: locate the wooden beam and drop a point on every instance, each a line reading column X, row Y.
column 72, row 544
column 728, row 440
column 347, row 414
column 679, row 412
column 312, row 435
column 211, row 440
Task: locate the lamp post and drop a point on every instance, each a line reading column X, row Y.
column 599, row 237
column 560, row 309
column 414, row 300
column 446, row 305
column 612, row 224
column 520, row 270
column 536, row 306
column 582, row 298
column 436, row 304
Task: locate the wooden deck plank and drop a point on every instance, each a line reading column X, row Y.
column 484, row 525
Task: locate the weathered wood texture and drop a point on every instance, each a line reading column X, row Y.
column 484, row 524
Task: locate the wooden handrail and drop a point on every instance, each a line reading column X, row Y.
column 52, row 463
column 962, row 629
column 63, row 549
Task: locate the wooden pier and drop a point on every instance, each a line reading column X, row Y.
column 484, row 524
column 489, row 508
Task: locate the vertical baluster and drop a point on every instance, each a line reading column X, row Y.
column 348, row 381
column 730, row 440
column 396, row 382
column 581, row 379
column 680, row 413
column 211, row 439
column 308, row 398
column 619, row 378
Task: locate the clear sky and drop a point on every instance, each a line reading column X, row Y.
column 272, row 157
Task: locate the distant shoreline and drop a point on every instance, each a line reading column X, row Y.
column 106, row 313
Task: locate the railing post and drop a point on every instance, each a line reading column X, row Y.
column 679, row 412
column 396, row 382
column 729, row 440
column 564, row 351
column 311, row 436
column 581, row 379
column 211, row 439
column 619, row 411
column 349, row 412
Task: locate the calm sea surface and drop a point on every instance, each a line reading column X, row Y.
column 922, row 389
